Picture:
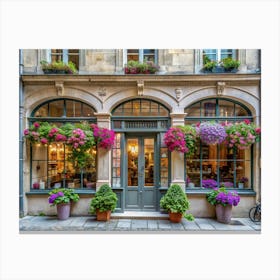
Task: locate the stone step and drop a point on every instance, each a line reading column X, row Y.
column 144, row 215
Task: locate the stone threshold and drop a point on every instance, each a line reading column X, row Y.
column 144, row 215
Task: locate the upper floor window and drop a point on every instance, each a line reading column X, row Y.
column 65, row 55
column 140, row 55
column 217, row 54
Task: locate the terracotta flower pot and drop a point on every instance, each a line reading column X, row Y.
column 103, row 216
column 63, row 211
column 175, row 217
column 223, row 213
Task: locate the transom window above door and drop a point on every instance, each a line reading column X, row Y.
column 141, row 107
column 217, row 54
column 140, row 55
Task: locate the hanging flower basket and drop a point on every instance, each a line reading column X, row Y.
column 174, row 139
column 211, row 133
column 181, row 139
column 242, row 134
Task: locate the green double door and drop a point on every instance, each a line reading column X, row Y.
column 140, row 163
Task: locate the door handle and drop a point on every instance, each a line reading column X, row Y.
column 140, row 191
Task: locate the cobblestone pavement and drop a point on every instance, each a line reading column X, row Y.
column 89, row 224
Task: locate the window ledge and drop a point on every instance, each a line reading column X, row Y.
column 46, row 192
column 205, row 191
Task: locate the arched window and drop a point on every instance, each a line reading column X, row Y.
column 219, row 162
column 51, row 165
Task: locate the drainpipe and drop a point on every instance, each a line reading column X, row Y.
column 21, row 109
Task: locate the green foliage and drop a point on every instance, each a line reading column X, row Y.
column 176, row 201
column 59, row 65
column 105, row 199
column 68, row 196
column 190, row 138
column 229, row 63
column 211, row 196
column 210, row 65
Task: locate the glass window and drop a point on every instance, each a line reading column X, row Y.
column 64, row 107
column 218, row 162
column 116, row 160
column 140, row 107
column 53, row 168
column 141, row 55
column 217, row 54
column 51, row 165
column 65, row 55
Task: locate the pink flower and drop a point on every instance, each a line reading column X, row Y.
column 258, row 130
column 247, row 121
column 26, row 131
column 36, row 125
column 44, row 141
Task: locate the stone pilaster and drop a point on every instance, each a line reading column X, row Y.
column 104, row 156
column 177, row 158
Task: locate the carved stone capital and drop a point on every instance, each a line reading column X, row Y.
column 140, row 87
column 221, row 88
column 59, row 85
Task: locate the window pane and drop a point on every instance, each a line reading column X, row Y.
column 208, row 108
column 56, row 55
column 73, row 56
column 87, row 111
column 140, row 108
column 73, row 108
column 42, row 111
column 116, row 158
column 132, row 54
column 240, row 111
column 57, row 108
column 193, row 111
column 226, row 108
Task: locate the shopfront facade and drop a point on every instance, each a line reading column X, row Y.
column 140, row 109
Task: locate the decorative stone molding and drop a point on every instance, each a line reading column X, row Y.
column 140, row 87
column 59, row 85
column 221, row 88
column 178, row 92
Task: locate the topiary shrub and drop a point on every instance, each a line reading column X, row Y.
column 176, row 201
column 104, row 200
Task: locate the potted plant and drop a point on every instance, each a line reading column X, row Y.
column 211, row 133
column 223, row 200
column 242, row 182
column 58, row 67
column 103, row 203
column 62, row 198
column 209, row 66
column 136, row 67
column 242, row 135
column 230, row 64
column 176, row 203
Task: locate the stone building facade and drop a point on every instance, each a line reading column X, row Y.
column 139, row 108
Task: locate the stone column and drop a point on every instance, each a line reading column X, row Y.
column 104, row 156
column 177, row 158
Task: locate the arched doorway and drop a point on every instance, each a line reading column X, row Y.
column 140, row 163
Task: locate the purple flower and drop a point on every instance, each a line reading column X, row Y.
column 52, row 198
column 211, row 133
column 44, row 141
column 209, row 183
